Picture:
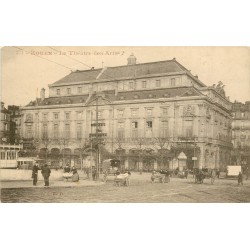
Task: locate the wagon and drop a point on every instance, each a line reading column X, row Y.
column 161, row 176
column 110, row 168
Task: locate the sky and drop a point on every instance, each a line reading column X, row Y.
column 25, row 70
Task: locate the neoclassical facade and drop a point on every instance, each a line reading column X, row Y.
column 146, row 114
column 241, row 133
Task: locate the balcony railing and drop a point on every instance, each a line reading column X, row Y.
column 187, row 138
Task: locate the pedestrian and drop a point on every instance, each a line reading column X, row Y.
column 67, row 168
column 75, row 176
column 46, row 174
column 240, row 179
column 218, row 173
column 87, row 171
column 94, row 173
column 186, row 173
column 35, row 173
column 247, row 173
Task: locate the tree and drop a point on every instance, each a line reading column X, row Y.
column 62, row 142
column 119, row 147
column 82, row 144
column 162, row 145
column 46, row 141
column 139, row 143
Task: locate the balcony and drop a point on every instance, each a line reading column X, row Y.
column 187, row 138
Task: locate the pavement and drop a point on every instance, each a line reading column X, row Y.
column 22, row 179
column 140, row 190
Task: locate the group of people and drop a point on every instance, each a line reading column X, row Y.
column 45, row 170
column 71, row 173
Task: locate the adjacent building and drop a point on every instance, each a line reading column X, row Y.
column 241, row 133
column 150, row 115
column 4, row 125
column 15, row 124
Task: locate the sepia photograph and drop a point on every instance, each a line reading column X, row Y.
column 124, row 124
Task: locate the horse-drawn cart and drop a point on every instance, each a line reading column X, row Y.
column 122, row 179
column 110, row 167
column 162, row 176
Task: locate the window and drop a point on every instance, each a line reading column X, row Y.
column 188, row 128
column 164, row 111
column 2, row 155
column 158, row 83
column 172, row 82
column 149, row 112
column 149, row 131
column 29, row 117
column 79, row 131
column 28, row 131
column 67, row 116
column 242, row 114
column 45, row 117
column 58, row 91
column 78, row 115
column 134, row 125
column 120, row 127
column 79, row 90
column 120, row 112
column 164, row 129
column 134, row 112
column 67, row 130
column 132, row 85
column 134, row 129
column 56, row 131
column 68, row 91
column 56, row 116
column 149, row 124
column 45, row 130
column 144, row 84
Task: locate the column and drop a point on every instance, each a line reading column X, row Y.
column 202, row 156
column 155, row 165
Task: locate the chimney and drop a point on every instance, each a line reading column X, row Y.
column 131, row 59
column 196, row 76
column 42, row 94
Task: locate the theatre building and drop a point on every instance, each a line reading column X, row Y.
column 149, row 115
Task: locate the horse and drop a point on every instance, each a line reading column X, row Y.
column 199, row 176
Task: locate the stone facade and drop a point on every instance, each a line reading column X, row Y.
column 241, row 133
column 4, row 125
column 147, row 114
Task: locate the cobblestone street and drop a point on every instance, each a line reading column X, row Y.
column 141, row 190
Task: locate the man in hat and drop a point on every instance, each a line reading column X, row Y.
column 35, row 173
column 240, row 178
column 46, row 173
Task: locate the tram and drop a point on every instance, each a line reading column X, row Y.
column 9, row 155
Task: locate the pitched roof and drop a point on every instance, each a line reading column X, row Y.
column 125, row 95
column 79, row 76
column 125, row 71
column 142, row 69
